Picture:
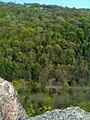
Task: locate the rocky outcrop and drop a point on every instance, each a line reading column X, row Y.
column 10, row 109
column 72, row 113
column 8, row 101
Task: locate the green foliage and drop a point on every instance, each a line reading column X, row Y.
column 45, row 49
column 30, row 110
column 45, row 108
column 85, row 106
column 17, row 84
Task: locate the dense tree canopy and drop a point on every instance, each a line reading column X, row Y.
column 40, row 43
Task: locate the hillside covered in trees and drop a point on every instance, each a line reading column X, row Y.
column 45, row 53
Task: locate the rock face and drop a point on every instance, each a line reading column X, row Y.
column 8, row 101
column 10, row 109
column 72, row 113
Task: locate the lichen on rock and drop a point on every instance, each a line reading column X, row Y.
column 8, row 101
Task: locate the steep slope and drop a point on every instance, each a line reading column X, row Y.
column 44, row 48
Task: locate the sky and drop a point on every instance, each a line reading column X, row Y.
column 64, row 3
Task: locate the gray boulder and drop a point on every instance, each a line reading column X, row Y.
column 71, row 113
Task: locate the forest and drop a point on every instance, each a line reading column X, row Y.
column 45, row 53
